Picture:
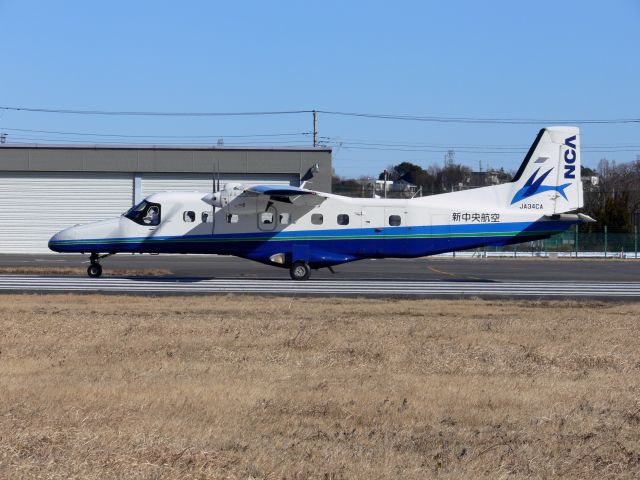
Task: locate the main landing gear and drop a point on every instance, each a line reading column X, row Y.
column 299, row 270
column 94, row 270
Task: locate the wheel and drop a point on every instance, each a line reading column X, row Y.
column 94, row 270
column 299, row 271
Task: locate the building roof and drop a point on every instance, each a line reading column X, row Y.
column 58, row 146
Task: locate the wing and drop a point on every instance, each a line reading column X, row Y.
column 279, row 190
column 287, row 193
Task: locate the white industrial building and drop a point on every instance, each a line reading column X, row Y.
column 44, row 189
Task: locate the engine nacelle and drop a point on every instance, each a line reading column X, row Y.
column 225, row 196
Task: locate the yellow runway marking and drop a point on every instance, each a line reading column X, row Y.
column 442, row 272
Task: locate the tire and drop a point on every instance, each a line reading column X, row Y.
column 299, row 271
column 94, row 270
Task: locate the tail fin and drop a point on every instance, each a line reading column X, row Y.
column 549, row 178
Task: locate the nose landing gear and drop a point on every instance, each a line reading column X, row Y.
column 94, row 270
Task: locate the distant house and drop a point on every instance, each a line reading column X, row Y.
column 482, row 179
column 397, row 186
column 404, row 186
column 590, row 183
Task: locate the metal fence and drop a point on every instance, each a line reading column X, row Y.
column 581, row 240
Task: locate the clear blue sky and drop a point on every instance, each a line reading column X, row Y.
column 543, row 59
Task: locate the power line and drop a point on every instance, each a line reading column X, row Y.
column 121, row 135
column 297, row 138
column 425, row 150
column 300, row 139
column 409, row 143
column 108, row 142
column 383, row 116
column 469, row 151
column 336, row 140
column 149, row 113
column 514, row 121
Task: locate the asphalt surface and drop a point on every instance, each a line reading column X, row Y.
column 357, row 288
column 425, row 277
column 421, row 269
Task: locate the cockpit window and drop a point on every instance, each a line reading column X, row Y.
column 145, row 213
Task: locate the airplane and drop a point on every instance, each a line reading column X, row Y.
column 301, row 229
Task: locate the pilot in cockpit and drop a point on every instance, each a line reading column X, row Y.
column 145, row 213
column 151, row 218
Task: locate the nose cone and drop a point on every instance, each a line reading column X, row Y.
column 84, row 238
column 57, row 242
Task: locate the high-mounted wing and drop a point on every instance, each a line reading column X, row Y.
column 286, row 193
column 236, row 196
column 279, row 190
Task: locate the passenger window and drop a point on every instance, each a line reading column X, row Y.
column 317, row 219
column 205, row 217
column 395, row 220
column 189, row 216
column 232, row 218
column 343, row 219
column 285, row 218
column 266, row 218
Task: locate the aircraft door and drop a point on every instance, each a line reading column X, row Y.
column 208, row 220
column 395, row 231
column 373, row 228
column 267, row 220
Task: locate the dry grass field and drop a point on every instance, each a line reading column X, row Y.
column 81, row 271
column 294, row 388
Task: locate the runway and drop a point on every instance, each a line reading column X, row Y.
column 411, row 270
column 424, row 277
column 364, row 288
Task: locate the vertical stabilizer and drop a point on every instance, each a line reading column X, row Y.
column 549, row 180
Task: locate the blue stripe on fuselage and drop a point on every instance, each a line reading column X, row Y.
column 330, row 246
column 485, row 228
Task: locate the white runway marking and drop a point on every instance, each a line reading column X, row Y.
column 320, row 287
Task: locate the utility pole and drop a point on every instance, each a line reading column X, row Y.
column 447, row 173
column 315, row 128
column 449, row 158
column 386, row 179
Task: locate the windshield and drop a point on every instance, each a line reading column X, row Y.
column 145, row 213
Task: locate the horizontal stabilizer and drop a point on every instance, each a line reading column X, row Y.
column 571, row 217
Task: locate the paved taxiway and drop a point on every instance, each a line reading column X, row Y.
column 436, row 276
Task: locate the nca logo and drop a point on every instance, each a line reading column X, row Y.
column 570, row 157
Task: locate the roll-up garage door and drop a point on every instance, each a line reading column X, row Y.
column 35, row 205
column 179, row 182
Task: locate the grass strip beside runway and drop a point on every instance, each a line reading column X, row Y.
column 284, row 387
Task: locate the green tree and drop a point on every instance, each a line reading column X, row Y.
column 410, row 172
column 613, row 211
